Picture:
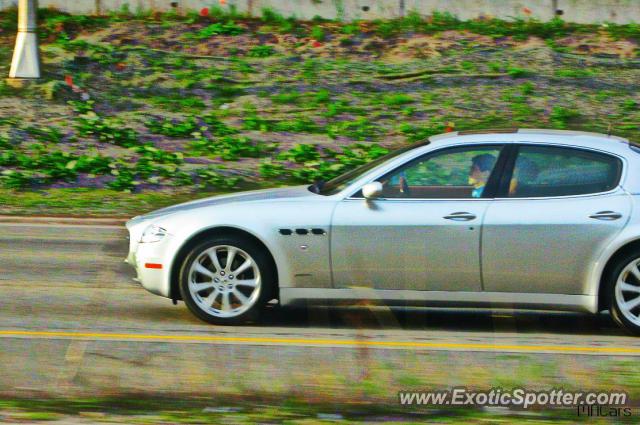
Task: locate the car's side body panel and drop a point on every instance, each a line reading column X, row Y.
column 407, row 244
column 629, row 234
column 546, row 245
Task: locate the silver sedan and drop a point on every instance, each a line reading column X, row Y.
column 533, row 219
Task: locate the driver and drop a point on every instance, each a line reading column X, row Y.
column 481, row 166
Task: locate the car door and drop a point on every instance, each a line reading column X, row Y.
column 423, row 232
column 558, row 208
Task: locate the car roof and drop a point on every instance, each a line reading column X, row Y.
column 604, row 142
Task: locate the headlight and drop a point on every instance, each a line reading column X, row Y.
column 153, row 233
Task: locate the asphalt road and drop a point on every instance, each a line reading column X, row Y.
column 72, row 279
column 66, row 293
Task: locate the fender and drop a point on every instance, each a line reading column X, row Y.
column 302, row 260
column 629, row 234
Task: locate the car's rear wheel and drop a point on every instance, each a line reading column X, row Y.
column 226, row 280
column 624, row 293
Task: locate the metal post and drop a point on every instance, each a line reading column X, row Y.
column 26, row 56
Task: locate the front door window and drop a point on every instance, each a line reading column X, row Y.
column 458, row 173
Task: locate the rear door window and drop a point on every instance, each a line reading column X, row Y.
column 544, row 171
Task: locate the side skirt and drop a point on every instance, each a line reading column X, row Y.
column 325, row 296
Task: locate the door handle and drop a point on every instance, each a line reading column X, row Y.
column 606, row 215
column 460, row 216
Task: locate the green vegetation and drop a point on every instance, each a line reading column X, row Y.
column 318, row 33
column 173, row 128
column 226, row 28
column 561, row 117
column 229, row 148
column 178, row 411
column 89, row 201
column 261, row 51
column 220, row 101
column 109, row 129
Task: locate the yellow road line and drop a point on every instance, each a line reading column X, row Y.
column 323, row 342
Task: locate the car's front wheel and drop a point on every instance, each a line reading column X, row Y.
column 226, row 280
column 624, row 293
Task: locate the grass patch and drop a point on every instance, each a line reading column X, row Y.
column 136, row 408
column 90, row 202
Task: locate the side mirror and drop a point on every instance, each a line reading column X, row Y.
column 372, row 190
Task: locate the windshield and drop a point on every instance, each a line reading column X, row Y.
column 341, row 182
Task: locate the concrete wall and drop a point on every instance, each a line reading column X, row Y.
column 584, row 11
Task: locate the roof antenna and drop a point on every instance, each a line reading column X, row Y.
column 610, row 129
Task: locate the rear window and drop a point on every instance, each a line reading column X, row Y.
column 542, row 171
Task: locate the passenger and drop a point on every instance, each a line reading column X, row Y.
column 526, row 172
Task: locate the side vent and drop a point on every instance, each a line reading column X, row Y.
column 303, row 232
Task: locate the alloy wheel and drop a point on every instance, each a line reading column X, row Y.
column 627, row 292
column 224, row 281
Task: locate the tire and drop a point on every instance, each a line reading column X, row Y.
column 625, row 274
column 218, row 294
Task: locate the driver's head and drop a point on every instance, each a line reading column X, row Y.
column 481, row 166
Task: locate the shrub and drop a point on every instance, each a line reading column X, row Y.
column 229, row 148
column 81, row 107
column 219, row 28
column 561, row 116
column 269, row 169
column 318, row 34
column 322, row 96
column 419, row 133
column 13, row 179
column 359, row 129
column 252, row 121
column 396, row 99
column 291, row 97
column 573, row 73
column 300, row 154
column 262, row 51
column 527, row 88
column 111, row 130
column 217, row 127
column 173, row 128
column 210, row 177
column 151, row 153
column 286, row 25
column 515, row 72
column 46, row 134
column 298, row 125
column 630, row 105
column 270, row 16
column 124, row 179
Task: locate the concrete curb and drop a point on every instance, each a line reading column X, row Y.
column 79, row 221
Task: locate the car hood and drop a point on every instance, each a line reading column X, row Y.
column 256, row 195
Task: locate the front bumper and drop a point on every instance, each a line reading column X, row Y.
column 150, row 260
